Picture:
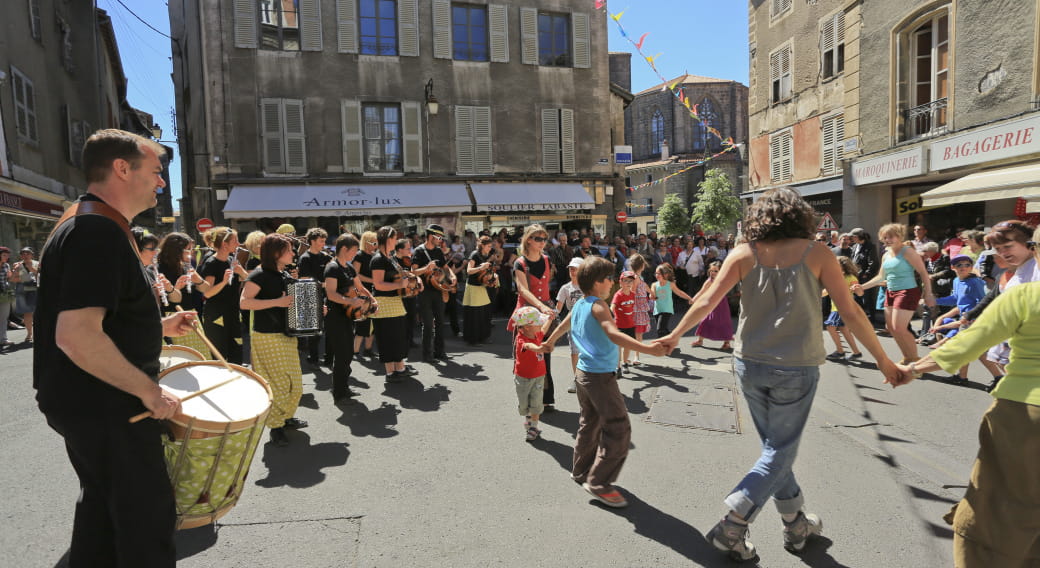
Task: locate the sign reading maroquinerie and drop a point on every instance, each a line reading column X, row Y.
column 534, row 206
column 903, row 164
column 1015, row 138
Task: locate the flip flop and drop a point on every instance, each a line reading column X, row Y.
column 612, row 498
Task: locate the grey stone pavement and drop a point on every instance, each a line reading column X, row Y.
column 435, row 472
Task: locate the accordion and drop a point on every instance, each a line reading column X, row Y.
column 304, row 317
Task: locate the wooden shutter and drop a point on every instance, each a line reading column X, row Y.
column 310, row 25
column 295, row 139
column 780, row 157
column 551, row 140
column 464, row 140
column 30, row 110
column 353, row 157
column 498, row 33
column 34, row 18
column 567, row 140
column 271, row 131
column 833, row 140
column 580, row 33
column 482, row 162
column 780, row 73
column 246, row 22
column 411, row 126
column 408, row 28
column 442, row 46
column 346, row 26
column 529, row 36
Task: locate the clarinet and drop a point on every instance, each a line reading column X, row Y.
column 233, row 261
column 189, row 270
column 162, row 289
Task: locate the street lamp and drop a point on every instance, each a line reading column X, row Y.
column 432, row 106
column 156, row 131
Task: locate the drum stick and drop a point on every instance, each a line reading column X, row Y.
column 198, row 329
column 139, row 417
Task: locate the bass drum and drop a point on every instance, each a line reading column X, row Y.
column 176, row 354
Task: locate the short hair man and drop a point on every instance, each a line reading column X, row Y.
column 98, row 342
column 431, row 302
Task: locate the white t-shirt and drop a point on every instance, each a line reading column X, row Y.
column 693, row 262
column 569, row 294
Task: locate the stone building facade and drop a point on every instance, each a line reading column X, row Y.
column 357, row 113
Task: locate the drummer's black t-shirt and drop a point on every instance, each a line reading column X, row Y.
column 272, row 286
column 345, row 276
column 380, row 262
column 89, row 263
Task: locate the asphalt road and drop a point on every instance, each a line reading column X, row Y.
column 435, row 472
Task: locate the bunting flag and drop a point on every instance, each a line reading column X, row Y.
column 677, row 91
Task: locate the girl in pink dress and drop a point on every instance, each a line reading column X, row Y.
column 718, row 326
column 637, row 264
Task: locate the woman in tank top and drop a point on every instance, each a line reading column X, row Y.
column 902, row 294
column 780, row 271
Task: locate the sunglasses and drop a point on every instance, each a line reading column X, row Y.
column 539, row 239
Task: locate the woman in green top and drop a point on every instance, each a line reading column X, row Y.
column 902, row 293
column 997, row 523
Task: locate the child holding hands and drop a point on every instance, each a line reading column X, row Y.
column 529, row 366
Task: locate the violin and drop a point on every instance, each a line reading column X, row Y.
column 489, row 276
column 441, row 280
column 362, row 312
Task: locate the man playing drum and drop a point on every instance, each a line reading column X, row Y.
column 98, row 338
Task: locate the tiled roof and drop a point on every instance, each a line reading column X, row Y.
column 684, row 79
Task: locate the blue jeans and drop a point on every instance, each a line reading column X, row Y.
column 779, row 399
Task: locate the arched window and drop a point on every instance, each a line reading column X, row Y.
column 703, row 139
column 656, row 132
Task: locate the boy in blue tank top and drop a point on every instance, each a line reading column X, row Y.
column 604, row 431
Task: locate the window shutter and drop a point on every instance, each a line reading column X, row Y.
column 498, row 33
column 580, row 29
column 567, row 140
column 295, row 140
column 839, row 28
column 482, row 141
column 551, row 141
column 839, row 139
column 529, row 36
column 785, row 156
column 442, row 48
column 271, row 122
column 353, row 159
column 246, row 21
column 346, row 26
column 310, row 25
column 408, row 27
column 785, row 72
column 464, row 140
column 411, row 124
column 20, row 114
column 828, row 146
column 827, row 34
column 34, row 18
column 30, row 111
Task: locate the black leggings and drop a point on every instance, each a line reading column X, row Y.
column 663, row 320
column 392, row 335
column 339, row 339
column 226, row 335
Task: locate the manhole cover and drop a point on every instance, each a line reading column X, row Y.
column 708, row 408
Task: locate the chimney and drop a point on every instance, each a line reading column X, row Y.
column 621, row 69
column 664, row 150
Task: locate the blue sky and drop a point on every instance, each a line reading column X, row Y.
column 699, row 37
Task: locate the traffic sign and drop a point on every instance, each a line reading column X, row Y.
column 827, row 223
column 204, row 224
column 621, row 217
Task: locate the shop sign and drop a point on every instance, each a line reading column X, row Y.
column 911, row 204
column 15, row 201
column 506, row 207
column 1015, row 138
column 622, row 154
column 907, row 163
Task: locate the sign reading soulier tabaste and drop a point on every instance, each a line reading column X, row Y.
column 534, row 206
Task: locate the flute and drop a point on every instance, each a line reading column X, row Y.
column 158, row 282
column 189, row 270
column 233, row 262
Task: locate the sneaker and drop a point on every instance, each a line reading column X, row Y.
column 836, row 356
column 993, row 385
column 731, row 537
column 409, row 371
column 800, row 529
column 533, row 433
column 295, row 423
column 852, row 356
column 395, row 377
column 611, row 498
column 279, row 438
column 573, row 388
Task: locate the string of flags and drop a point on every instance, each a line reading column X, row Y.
column 678, row 91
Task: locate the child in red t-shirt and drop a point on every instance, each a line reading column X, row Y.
column 529, row 366
column 624, row 307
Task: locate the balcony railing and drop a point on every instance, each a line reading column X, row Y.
column 928, row 119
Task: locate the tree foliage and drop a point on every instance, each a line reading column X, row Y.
column 716, row 209
column 672, row 217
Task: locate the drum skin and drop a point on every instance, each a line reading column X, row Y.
column 177, row 354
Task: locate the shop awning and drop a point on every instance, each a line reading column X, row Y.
column 1004, row 183
column 815, row 187
column 507, row 197
column 345, row 200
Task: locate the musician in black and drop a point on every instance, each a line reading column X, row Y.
column 311, row 264
column 403, row 254
column 429, row 261
column 476, row 311
column 274, row 354
column 363, row 335
column 342, row 289
column 389, row 320
column 220, row 314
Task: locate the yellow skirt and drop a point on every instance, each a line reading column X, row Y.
column 276, row 360
column 193, row 340
column 475, row 296
column 389, row 307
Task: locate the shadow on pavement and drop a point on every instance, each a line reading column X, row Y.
column 815, row 554
column 190, row 542
column 412, row 395
column 322, row 379
column 300, row 464
column 461, row 371
column 564, row 420
column 635, row 403
column 308, row 400
column 562, row 453
column 377, row 423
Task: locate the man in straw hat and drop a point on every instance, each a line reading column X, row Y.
column 96, row 359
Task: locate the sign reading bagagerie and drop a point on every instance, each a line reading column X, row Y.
column 1014, row 138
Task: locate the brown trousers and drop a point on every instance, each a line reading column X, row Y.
column 604, row 431
column 997, row 523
